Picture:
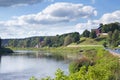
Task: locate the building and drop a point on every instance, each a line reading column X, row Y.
column 98, row 30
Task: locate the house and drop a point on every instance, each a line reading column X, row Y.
column 98, row 30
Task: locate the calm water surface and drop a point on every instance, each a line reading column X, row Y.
column 22, row 67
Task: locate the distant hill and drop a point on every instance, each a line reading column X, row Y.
column 43, row 41
column 5, row 42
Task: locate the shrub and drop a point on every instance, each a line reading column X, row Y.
column 76, row 65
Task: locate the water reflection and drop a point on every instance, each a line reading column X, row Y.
column 0, row 58
column 22, row 66
column 40, row 54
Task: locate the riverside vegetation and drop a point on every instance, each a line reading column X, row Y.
column 3, row 50
column 96, row 64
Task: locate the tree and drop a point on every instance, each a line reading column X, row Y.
column 75, row 36
column 110, row 38
column 110, row 27
column 13, row 43
column 104, row 44
column 115, row 38
column 0, row 42
column 47, row 41
column 86, row 33
column 68, row 39
column 93, row 34
column 28, row 41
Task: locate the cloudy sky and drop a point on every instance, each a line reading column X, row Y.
column 26, row 18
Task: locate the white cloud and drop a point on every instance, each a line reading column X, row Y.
column 33, row 30
column 47, row 22
column 110, row 17
column 88, row 25
column 105, row 19
column 60, row 12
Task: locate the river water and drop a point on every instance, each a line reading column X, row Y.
column 22, row 67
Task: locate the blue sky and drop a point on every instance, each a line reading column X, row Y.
column 26, row 18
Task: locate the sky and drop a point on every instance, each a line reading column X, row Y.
column 27, row 18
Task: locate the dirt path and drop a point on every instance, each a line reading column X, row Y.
column 84, row 46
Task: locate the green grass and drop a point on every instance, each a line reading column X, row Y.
column 90, row 41
column 62, row 51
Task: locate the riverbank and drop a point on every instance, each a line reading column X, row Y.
column 70, row 51
column 115, row 52
column 5, row 51
column 95, row 60
column 63, row 50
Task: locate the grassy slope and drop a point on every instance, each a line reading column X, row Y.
column 90, row 42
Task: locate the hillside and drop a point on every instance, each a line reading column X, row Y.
column 98, row 42
column 90, row 41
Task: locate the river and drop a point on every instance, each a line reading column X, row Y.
column 22, row 67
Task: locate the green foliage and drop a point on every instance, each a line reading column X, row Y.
column 47, row 41
column 75, row 36
column 80, row 75
column 110, row 27
column 33, row 78
column 110, row 38
column 105, row 44
column 113, row 38
column 47, row 78
column 4, row 51
column 97, row 65
column 68, row 40
column 76, row 65
column 86, row 33
column 60, row 75
column 0, row 42
column 43, row 41
column 93, row 34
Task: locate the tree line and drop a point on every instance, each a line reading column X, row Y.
column 44, row 41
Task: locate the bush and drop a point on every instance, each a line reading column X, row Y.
column 76, row 65
column 105, row 44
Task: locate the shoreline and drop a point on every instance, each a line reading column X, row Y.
column 114, row 53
